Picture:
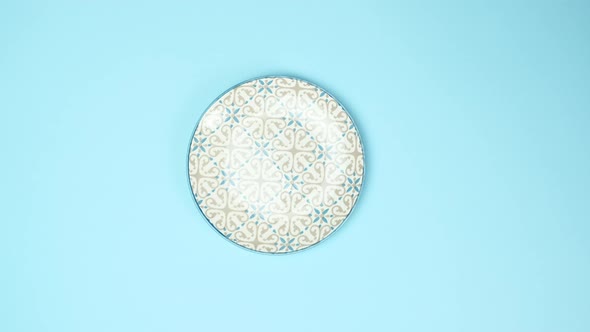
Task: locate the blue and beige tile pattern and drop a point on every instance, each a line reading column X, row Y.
column 276, row 164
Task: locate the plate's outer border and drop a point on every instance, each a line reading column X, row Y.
column 187, row 163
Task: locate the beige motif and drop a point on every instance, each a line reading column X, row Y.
column 276, row 164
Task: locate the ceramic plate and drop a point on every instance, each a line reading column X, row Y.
column 276, row 164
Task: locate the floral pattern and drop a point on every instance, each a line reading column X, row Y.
column 276, row 164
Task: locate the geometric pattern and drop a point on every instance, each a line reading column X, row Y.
column 276, row 164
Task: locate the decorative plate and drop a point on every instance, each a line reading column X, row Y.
column 276, row 164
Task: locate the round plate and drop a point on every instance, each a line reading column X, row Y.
column 276, row 164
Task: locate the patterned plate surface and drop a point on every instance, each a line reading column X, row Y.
column 276, row 164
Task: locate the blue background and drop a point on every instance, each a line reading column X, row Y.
column 475, row 214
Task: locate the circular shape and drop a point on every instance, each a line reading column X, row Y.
column 276, row 164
